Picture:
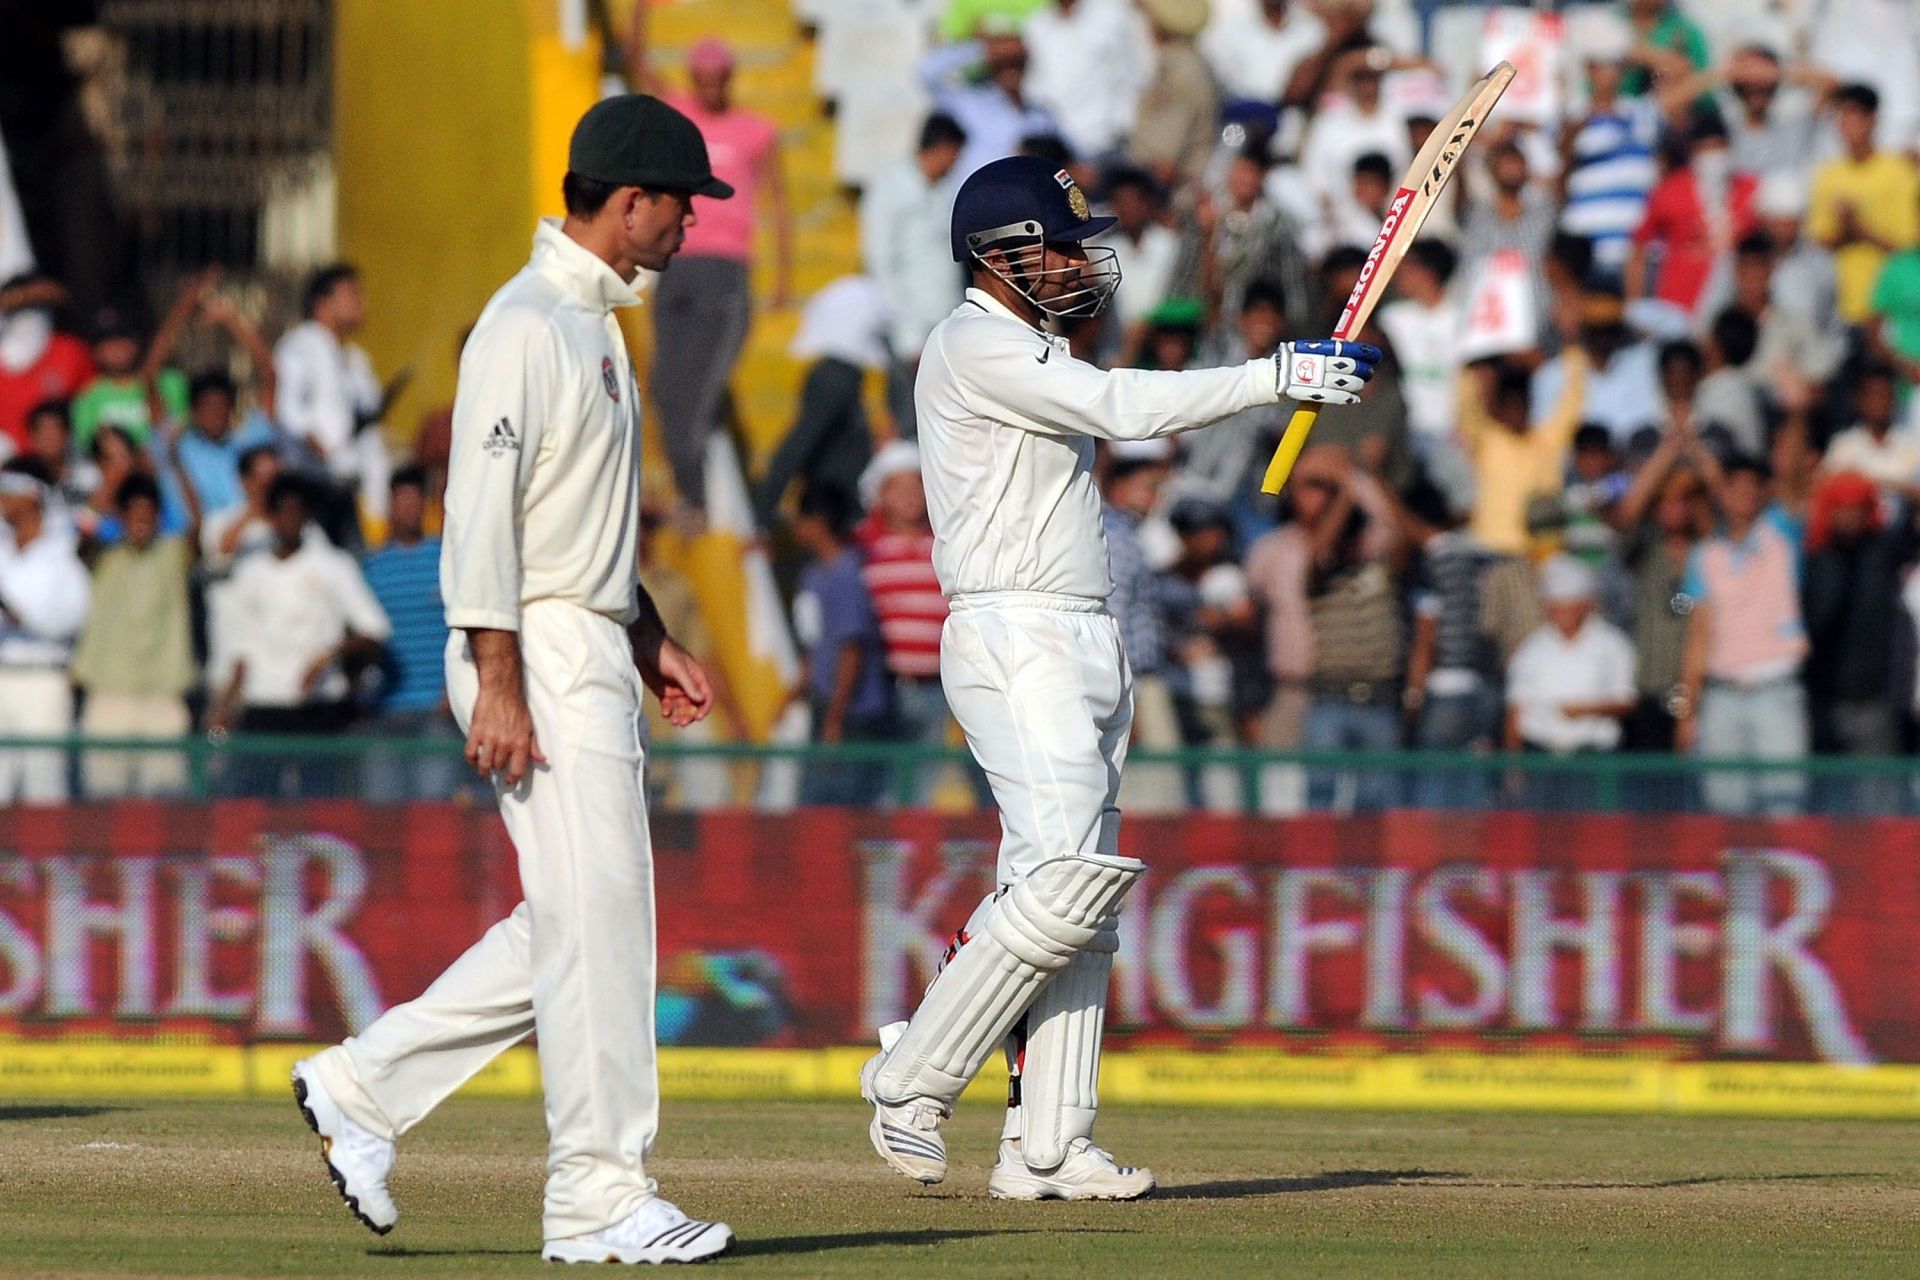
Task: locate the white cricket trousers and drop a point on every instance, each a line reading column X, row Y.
column 575, row 960
column 1041, row 687
column 1042, row 690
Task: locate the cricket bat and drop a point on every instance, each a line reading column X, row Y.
column 1419, row 189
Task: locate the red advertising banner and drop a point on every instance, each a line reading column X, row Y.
column 1683, row 936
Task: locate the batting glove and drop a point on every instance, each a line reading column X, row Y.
column 1325, row 370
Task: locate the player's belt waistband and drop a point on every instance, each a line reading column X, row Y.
column 1051, row 601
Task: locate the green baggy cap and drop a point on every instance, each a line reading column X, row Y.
column 638, row 141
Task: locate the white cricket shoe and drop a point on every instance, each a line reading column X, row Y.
column 358, row 1159
column 655, row 1232
column 1088, row 1173
column 907, row 1135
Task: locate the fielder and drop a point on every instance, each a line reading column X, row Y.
column 1033, row 668
column 552, row 639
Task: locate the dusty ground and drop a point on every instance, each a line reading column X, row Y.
column 235, row 1188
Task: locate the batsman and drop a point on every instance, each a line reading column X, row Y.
column 1033, row 668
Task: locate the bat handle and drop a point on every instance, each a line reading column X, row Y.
column 1291, row 444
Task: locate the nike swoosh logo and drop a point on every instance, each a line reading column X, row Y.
column 1044, row 353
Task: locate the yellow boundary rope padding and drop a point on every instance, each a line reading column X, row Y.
column 1234, row 1078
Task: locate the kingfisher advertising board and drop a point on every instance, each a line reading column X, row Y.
column 1680, row 937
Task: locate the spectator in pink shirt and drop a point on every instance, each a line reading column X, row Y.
column 703, row 303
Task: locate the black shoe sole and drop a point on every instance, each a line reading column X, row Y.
column 339, row 1183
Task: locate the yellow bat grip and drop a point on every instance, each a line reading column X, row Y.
column 1291, row 444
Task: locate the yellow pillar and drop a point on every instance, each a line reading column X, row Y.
column 452, row 123
column 564, row 80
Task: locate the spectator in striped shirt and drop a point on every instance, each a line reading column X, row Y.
column 1453, row 671
column 1520, row 216
column 1741, row 691
column 1608, row 164
column 1353, row 606
column 898, row 541
column 404, row 576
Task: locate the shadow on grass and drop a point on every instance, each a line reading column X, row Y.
column 769, row 1246
column 401, row 1251
column 1333, row 1180
column 1698, row 1180
column 30, row 1112
column 872, row 1239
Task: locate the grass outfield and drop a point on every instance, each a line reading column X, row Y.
column 235, row 1188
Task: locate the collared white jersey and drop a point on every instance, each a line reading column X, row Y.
column 326, row 387
column 543, row 491
column 1007, row 423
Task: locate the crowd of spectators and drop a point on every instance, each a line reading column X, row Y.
column 170, row 562
column 1641, row 471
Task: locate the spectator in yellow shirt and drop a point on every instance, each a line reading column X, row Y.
column 1865, row 205
column 1512, row 461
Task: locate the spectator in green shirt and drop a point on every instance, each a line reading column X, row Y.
column 1895, row 313
column 123, row 387
column 134, row 389
column 1666, row 43
column 135, row 654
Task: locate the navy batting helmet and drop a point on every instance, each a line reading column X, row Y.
column 1019, row 200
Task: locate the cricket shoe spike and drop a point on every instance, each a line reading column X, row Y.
column 907, row 1135
column 656, row 1232
column 358, row 1159
column 1088, row 1173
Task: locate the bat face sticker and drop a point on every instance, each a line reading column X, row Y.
column 1449, row 156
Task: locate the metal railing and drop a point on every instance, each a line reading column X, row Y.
column 385, row 769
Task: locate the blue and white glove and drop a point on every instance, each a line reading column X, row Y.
column 1324, row 370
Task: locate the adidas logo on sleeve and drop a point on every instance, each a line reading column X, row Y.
column 501, row 439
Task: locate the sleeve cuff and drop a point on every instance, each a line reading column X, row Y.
column 482, row 620
column 1265, row 374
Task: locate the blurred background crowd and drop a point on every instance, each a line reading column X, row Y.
column 1642, row 472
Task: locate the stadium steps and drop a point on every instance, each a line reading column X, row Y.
column 775, row 78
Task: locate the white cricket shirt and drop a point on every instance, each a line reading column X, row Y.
column 1007, row 422
column 543, row 492
column 324, row 387
column 1549, row 670
column 280, row 616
